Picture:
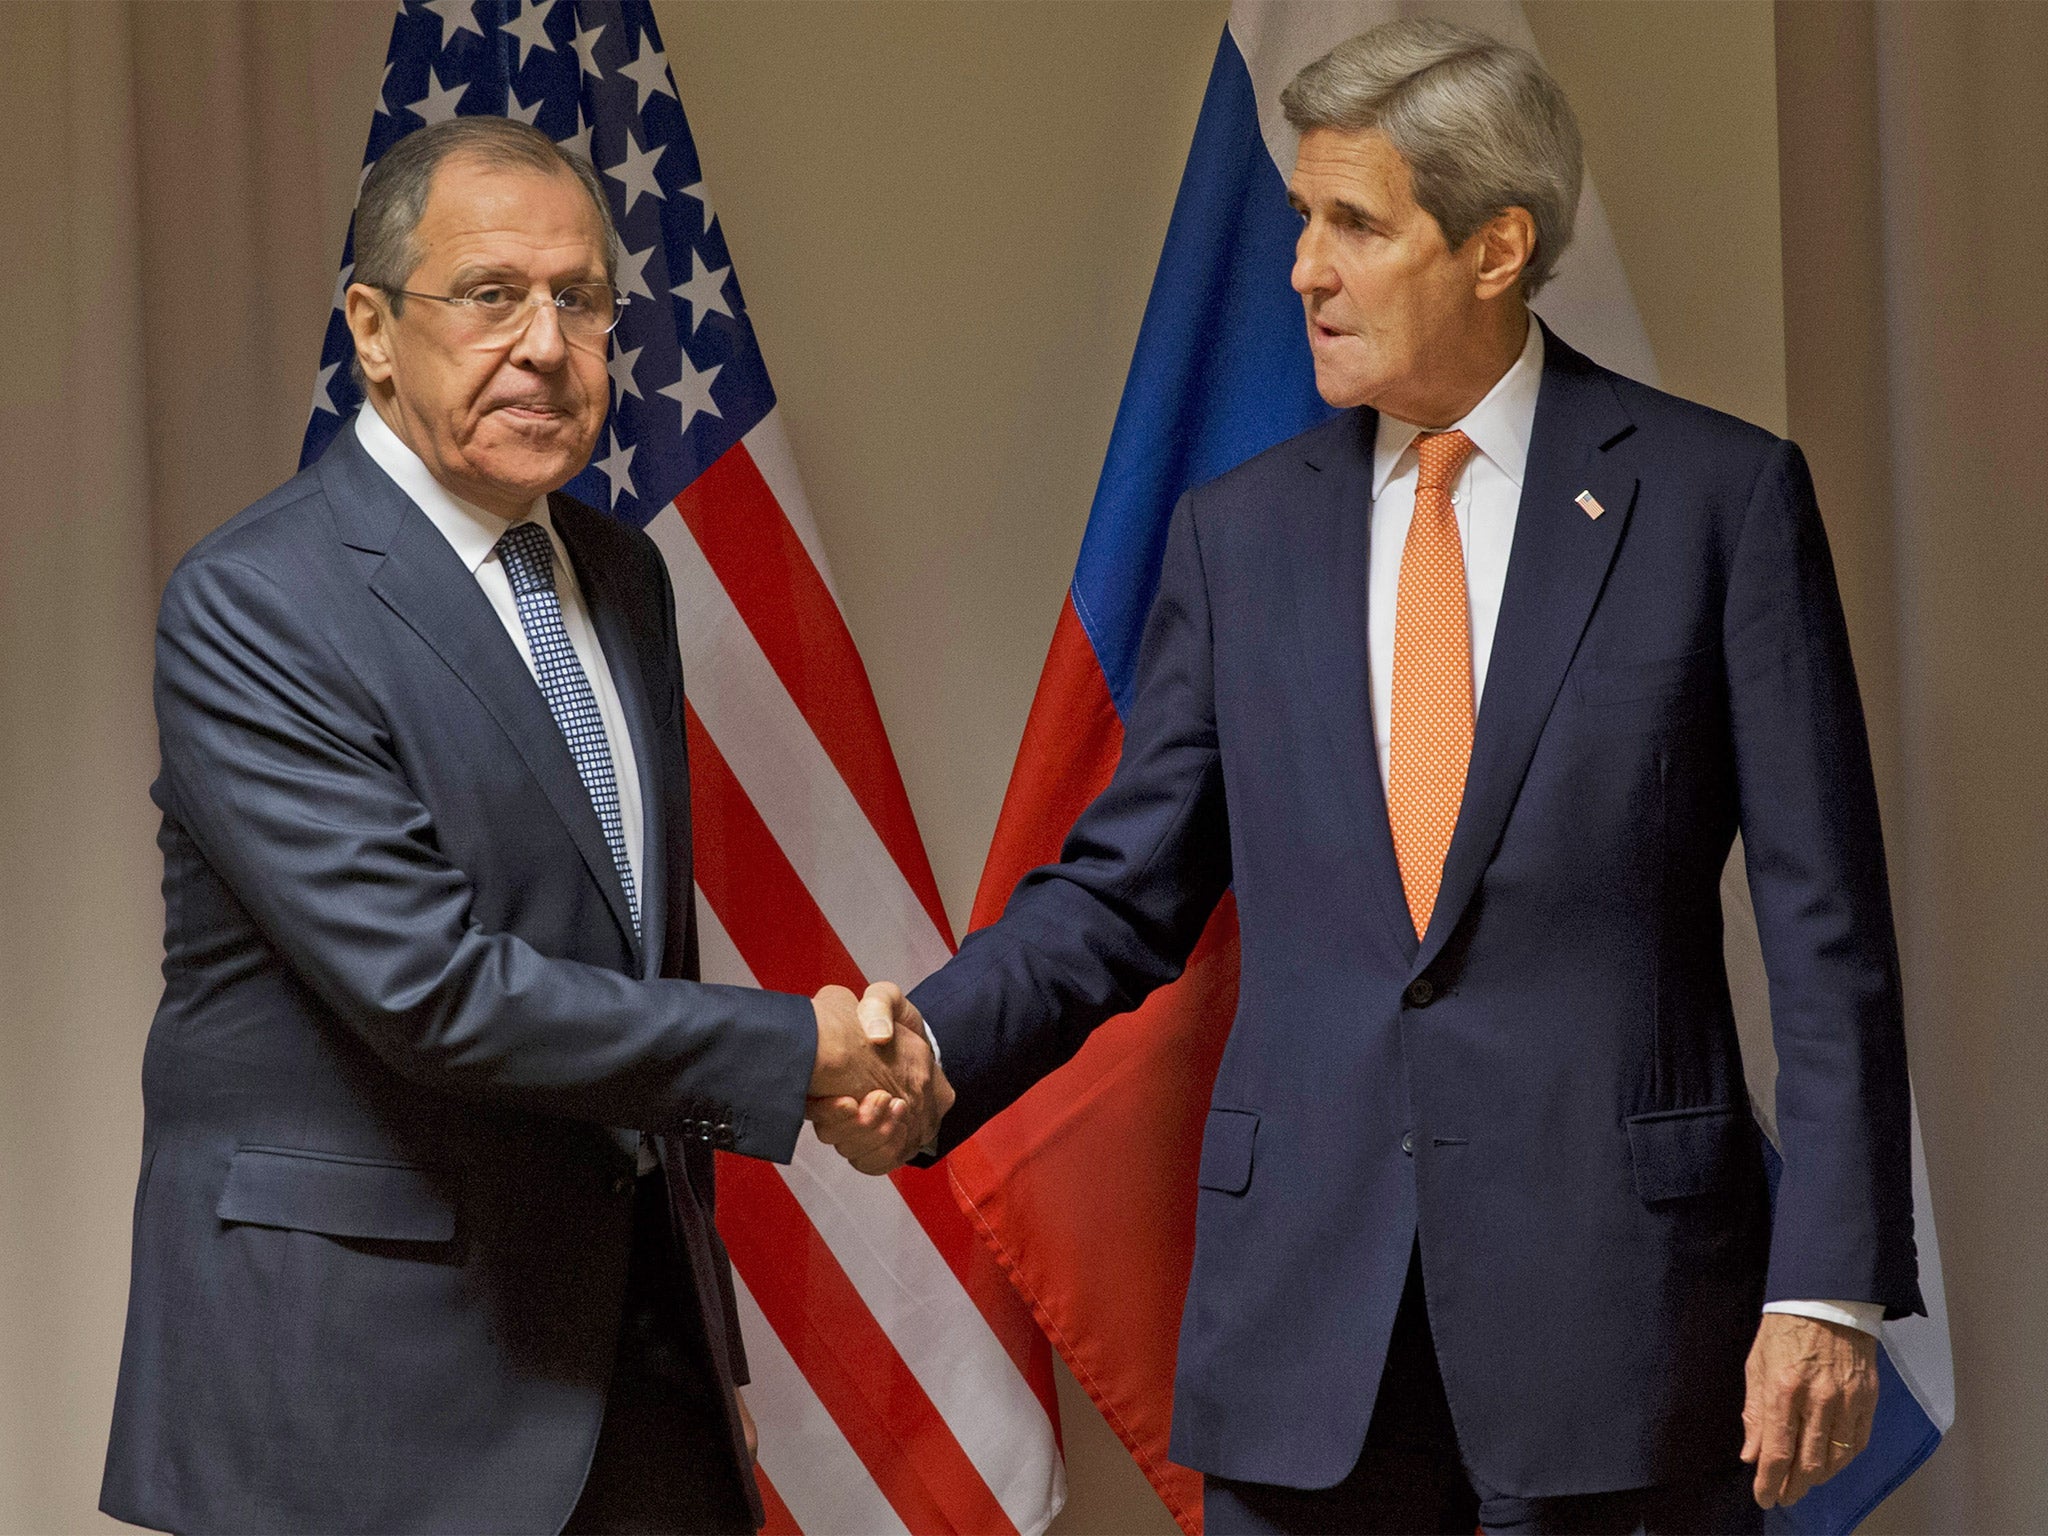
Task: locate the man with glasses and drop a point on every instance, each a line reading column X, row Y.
column 424, row 1235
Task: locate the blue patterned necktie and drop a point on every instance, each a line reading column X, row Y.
column 529, row 560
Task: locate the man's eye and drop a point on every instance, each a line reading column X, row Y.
column 492, row 296
column 575, row 299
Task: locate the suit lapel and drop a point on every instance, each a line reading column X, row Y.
column 627, row 654
column 1556, row 567
column 421, row 579
column 1332, row 564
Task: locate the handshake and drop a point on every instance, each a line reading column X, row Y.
column 877, row 1093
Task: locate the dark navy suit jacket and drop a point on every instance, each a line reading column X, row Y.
column 1548, row 1087
column 408, row 1036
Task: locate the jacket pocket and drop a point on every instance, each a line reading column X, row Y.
column 335, row 1195
column 1227, row 1151
column 1682, row 1153
column 1666, row 677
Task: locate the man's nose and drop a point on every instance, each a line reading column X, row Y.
column 541, row 344
column 1312, row 272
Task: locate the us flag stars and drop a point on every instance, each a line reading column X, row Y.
column 704, row 292
column 635, row 173
column 687, row 377
column 530, row 28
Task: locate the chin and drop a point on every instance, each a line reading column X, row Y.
column 1341, row 391
column 544, row 465
column 523, row 477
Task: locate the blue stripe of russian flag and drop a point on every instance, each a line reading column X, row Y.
column 1221, row 372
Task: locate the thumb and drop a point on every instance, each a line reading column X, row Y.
column 877, row 1011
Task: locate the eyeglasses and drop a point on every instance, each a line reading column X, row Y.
column 586, row 312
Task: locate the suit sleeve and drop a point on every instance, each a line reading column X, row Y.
column 1145, row 865
column 1808, row 807
column 276, row 762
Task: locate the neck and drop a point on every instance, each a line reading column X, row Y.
column 1481, row 360
column 384, row 401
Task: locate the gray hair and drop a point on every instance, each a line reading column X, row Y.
column 1480, row 123
column 394, row 197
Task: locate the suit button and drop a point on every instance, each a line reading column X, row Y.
column 623, row 1184
column 1421, row 992
column 1408, row 1142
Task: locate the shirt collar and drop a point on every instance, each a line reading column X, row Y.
column 473, row 532
column 1498, row 425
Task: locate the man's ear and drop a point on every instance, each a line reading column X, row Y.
column 369, row 321
column 1504, row 246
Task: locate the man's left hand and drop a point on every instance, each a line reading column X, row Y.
column 747, row 1428
column 1812, row 1392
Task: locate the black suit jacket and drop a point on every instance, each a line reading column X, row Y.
column 1547, row 1087
column 408, row 1035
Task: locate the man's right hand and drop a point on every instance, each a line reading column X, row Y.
column 853, row 1054
column 879, row 1131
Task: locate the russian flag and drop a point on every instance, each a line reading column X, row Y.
column 1222, row 371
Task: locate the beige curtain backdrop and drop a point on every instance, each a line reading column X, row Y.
column 1914, row 153
column 946, row 217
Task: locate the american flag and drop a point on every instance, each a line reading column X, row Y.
column 898, row 1381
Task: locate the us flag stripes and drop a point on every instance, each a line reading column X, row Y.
column 898, row 1382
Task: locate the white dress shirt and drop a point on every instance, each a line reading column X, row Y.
column 473, row 533
column 1486, row 496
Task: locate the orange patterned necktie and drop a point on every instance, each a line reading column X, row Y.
column 1430, row 739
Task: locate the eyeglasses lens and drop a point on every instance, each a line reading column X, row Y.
column 585, row 313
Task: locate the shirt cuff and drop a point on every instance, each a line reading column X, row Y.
column 1862, row 1315
column 931, row 1148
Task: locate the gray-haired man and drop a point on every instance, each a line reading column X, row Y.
column 1464, row 695
column 423, row 1240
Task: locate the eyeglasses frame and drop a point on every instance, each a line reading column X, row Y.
column 620, row 300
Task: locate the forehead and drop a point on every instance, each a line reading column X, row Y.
column 1339, row 165
column 480, row 212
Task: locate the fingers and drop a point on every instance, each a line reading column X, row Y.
column 753, row 1435
column 1811, row 1394
column 876, row 1096
column 1778, row 1447
column 846, row 1121
column 883, row 1008
column 884, row 1159
column 1810, row 1467
column 848, row 1061
column 1753, row 1407
column 930, row 1094
column 872, row 1133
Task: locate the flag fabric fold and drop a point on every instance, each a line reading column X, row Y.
column 899, row 1383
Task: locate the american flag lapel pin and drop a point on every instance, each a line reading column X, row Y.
column 1589, row 504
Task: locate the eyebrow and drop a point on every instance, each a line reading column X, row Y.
column 1349, row 212
column 486, row 272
